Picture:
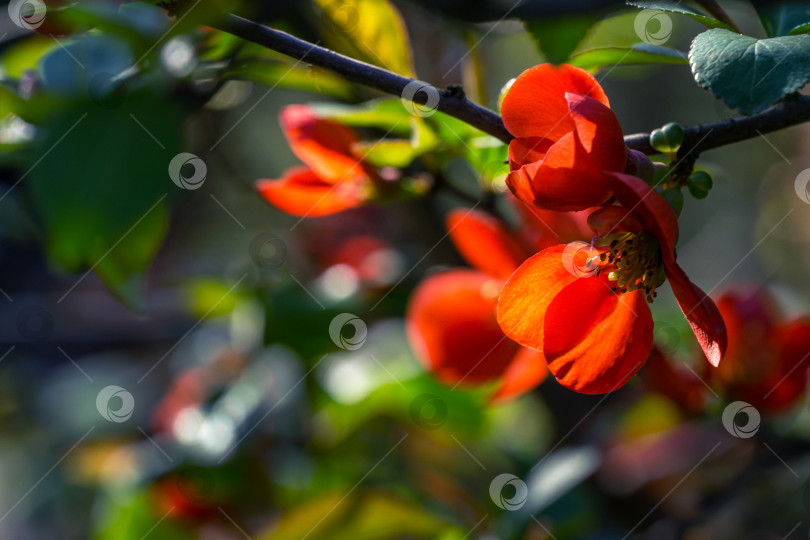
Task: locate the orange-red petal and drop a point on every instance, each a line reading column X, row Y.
column 324, row 145
column 528, row 150
column 599, row 132
column 790, row 380
column 451, row 325
column 613, row 219
column 526, row 295
column 484, row 242
column 527, row 370
column 751, row 318
column 535, row 105
column 595, row 340
column 701, row 312
column 565, row 180
column 541, row 229
column 301, row 192
column 654, row 211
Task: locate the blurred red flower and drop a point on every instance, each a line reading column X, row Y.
column 451, row 320
column 335, row 178
column 585, row 306
column 566, row 136
column 767, row 358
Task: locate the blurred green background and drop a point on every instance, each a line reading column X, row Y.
column 212, row 309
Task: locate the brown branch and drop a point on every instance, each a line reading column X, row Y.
column 793, row 110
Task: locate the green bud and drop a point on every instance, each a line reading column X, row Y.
column 662, row 170
column 699, row 183
column 674, row 197
column 667, row 139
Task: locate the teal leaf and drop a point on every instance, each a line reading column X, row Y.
column 747, row 73
column 641, row 53
column 558, row 37
column 673, row 6
column 784, row 18
column 75, row 67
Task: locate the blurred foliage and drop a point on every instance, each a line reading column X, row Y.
column 250, row 419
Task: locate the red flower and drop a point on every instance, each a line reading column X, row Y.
column 566, row 136
column 586, row 307
column 767, row 358
column 335, row 177
column 451, row 320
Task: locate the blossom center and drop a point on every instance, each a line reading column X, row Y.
column 633, row 262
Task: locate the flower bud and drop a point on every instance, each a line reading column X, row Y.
column 674, row 197
column 699, row 183
column 667, row 139
column 640, row 166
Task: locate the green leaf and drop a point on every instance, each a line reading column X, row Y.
column 747, row 73
column 286, row 75
column 558, row 37
column 370, row 29
column 675, row 6
column 385, row 113
column 99, row 189
column 641, row 53
column 357, row 516
column 784, row 19
column 134, row 516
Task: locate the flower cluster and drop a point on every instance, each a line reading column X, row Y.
column 583, row 307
